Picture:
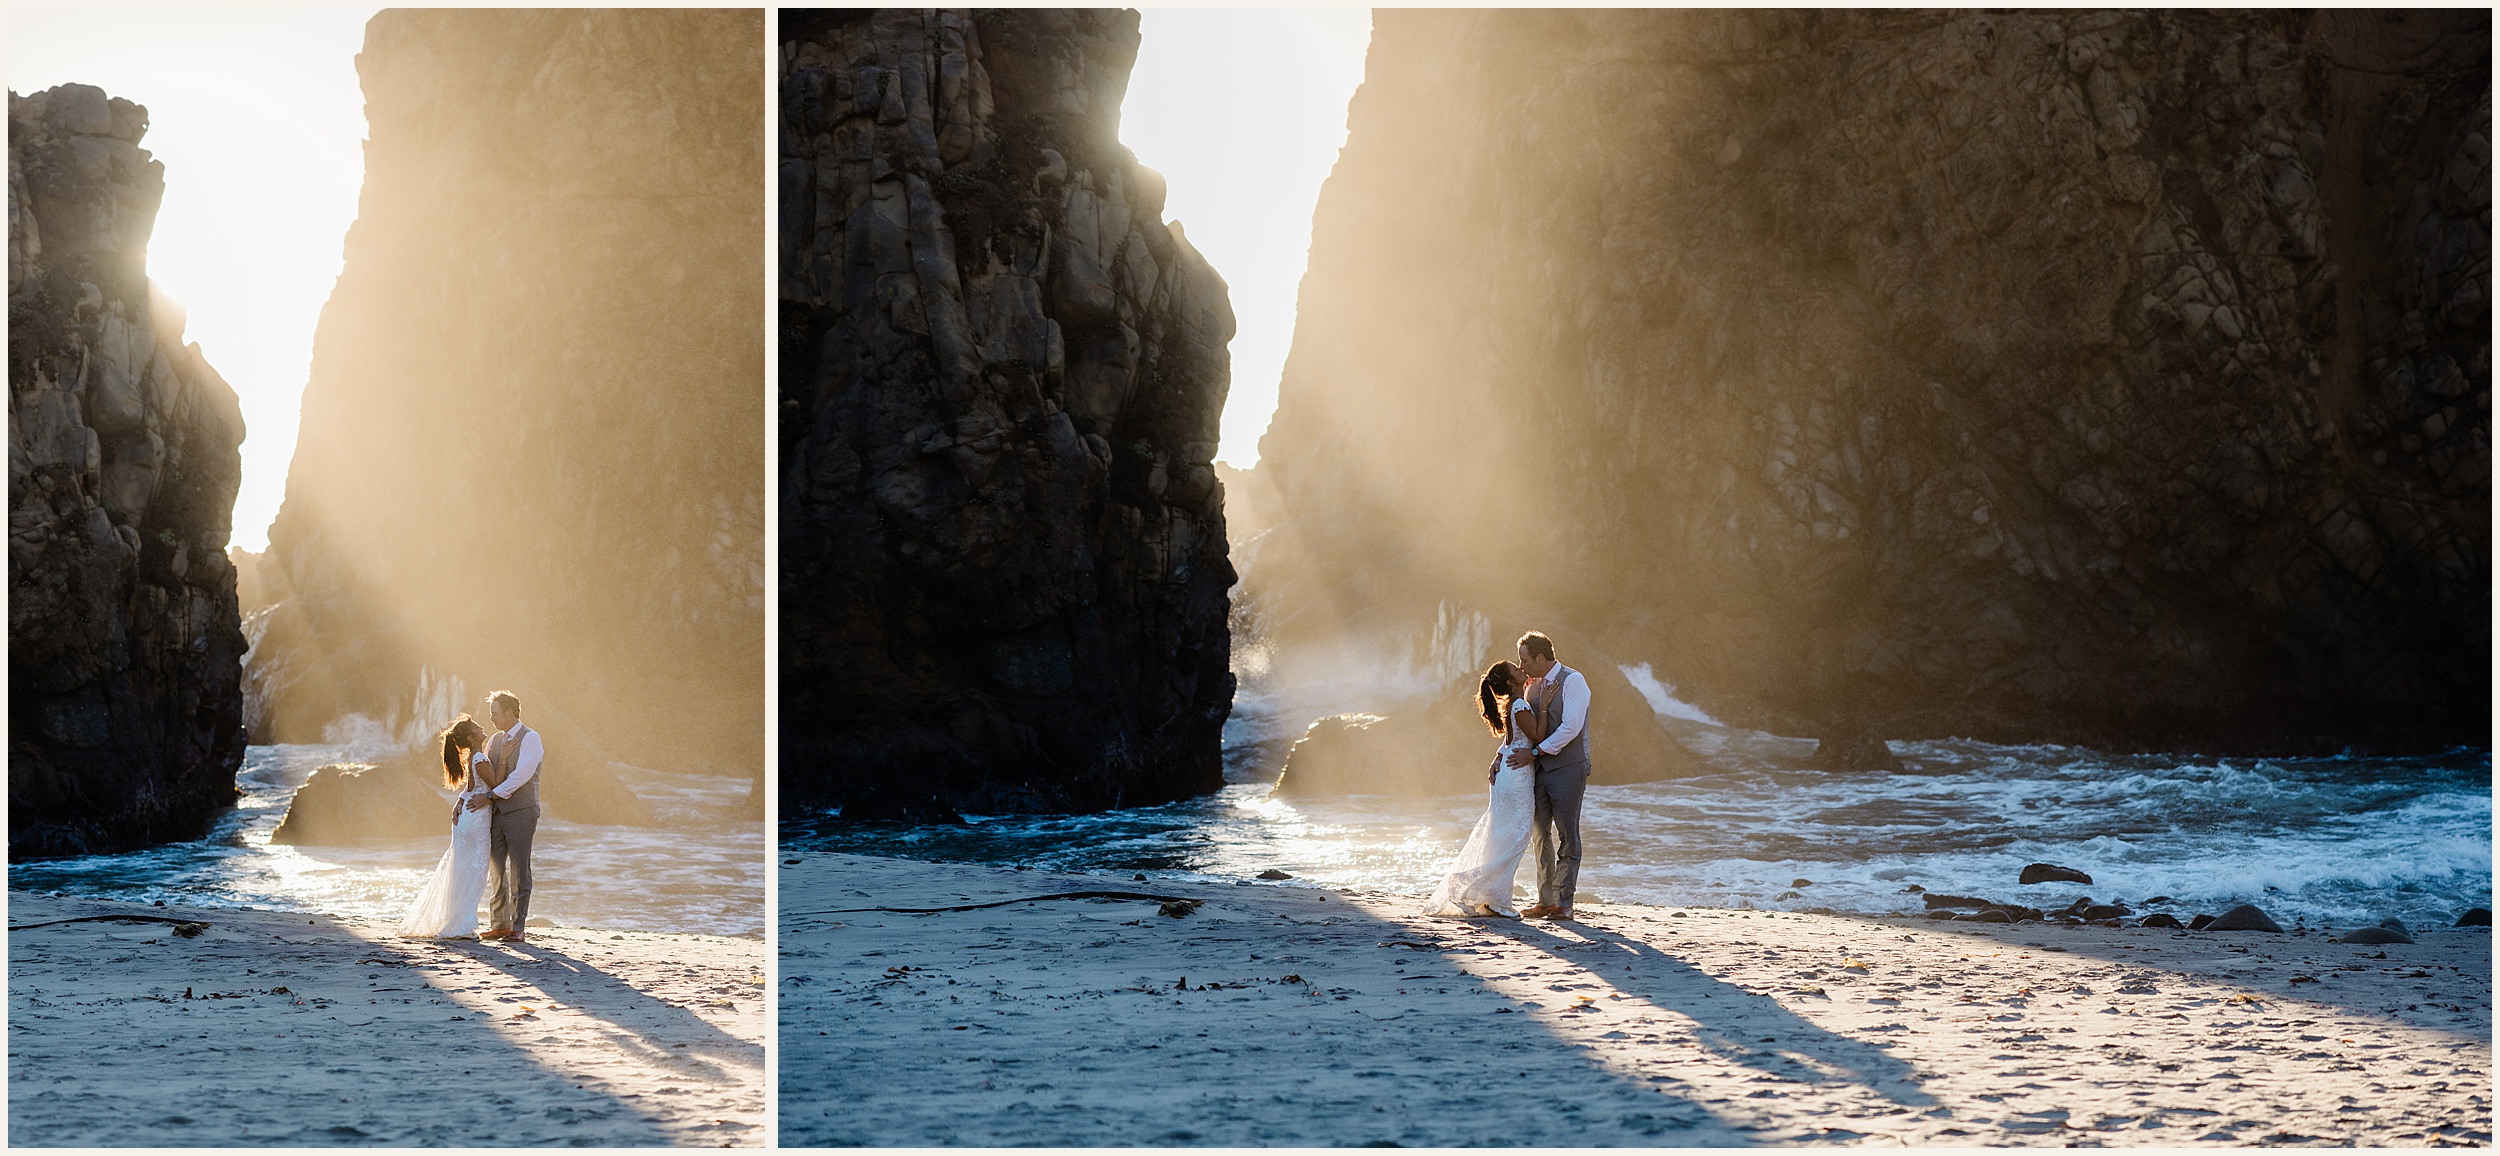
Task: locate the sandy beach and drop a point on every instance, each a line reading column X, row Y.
column 1284, row 1014
column 269, row 1028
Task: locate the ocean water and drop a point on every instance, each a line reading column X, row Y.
column 701, row 869
column 2331, row 841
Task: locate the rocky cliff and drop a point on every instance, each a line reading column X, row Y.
column 1003, row 562
column 532, row 440
column 125, row 655
column 2111, row 377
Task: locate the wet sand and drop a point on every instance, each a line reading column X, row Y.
column 286, row 1029
column 1281, row 1014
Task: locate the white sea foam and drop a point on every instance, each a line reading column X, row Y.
column 701, row 869
column 1661, row 696
column 2326, row 840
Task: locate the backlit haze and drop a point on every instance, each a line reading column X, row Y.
column 1243, row 112
column 258, row 118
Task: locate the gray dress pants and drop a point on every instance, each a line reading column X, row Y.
column 508, row 866
column 1556, row 834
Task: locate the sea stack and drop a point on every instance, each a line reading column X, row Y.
column 1003, row 562
column 531, row 448
column 125, row 651
column 2119, row 378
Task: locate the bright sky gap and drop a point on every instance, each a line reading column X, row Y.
column 1243, row 111
column 258, row 118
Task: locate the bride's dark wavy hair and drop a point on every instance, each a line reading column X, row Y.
column 463, row 732
column 1501, row 680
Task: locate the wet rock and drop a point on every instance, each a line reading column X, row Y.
column 1444, row 748
column 353, row 804
column 2100, row 911
column 1935, row 900
column 2112, row 459
column 1001, row 384
column 2366, row 935
column 1786, row 895
column 2245, row 917
column 2161, row 919
column 530, row 449
column 2003, row 913
column 2396, row 925
column 1801, row 882
column 2200, row 922
column 2478, row 917
column 1272, row 873
column 2052, row 873
column 125, row 642
column 1854, row 754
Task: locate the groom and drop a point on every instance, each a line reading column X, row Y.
column 516, row 751
column 1562, row 776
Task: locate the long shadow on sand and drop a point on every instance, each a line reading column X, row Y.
column 1729, row 1021
column 652, row 1029
column 296, row 1039
column 1303, row 1022
column 2376, row 981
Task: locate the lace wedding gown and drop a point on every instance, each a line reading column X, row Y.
column 447, row 907
column 1479, row 882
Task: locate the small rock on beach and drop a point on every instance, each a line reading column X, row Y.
column 2052, row 873
column 2245, row 917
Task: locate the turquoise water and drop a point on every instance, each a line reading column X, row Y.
column 2333, row 841
column 701, row 869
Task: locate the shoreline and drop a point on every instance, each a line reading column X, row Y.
column 291, row 1028
column 1296, row 1015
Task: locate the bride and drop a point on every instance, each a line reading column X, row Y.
column 447, row 907
column 1479, row 881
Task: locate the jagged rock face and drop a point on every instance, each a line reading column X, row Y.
column 2120, row 377
column 125, row 654
column 1003, row 562
column 531, row 443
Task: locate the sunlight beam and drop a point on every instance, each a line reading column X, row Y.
column 1243, row 112
column 258, row 119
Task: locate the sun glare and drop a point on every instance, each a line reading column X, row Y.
column 1243, row 112
column 258, row 118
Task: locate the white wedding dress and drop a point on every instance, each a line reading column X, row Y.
column 1479, row 882
column 447, row 907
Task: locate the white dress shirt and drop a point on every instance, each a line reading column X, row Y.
column 1575, row 710
column 525, row 766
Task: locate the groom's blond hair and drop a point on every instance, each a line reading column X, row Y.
column 505, row 700
column 1535, row 643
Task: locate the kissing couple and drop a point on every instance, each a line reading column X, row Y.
column 493, row 822
column 1540, row 708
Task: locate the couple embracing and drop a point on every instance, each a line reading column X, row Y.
column 493, row 822
column 1540, row 708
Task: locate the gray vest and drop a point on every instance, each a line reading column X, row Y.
column 504, row 751
column 1575, row 754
